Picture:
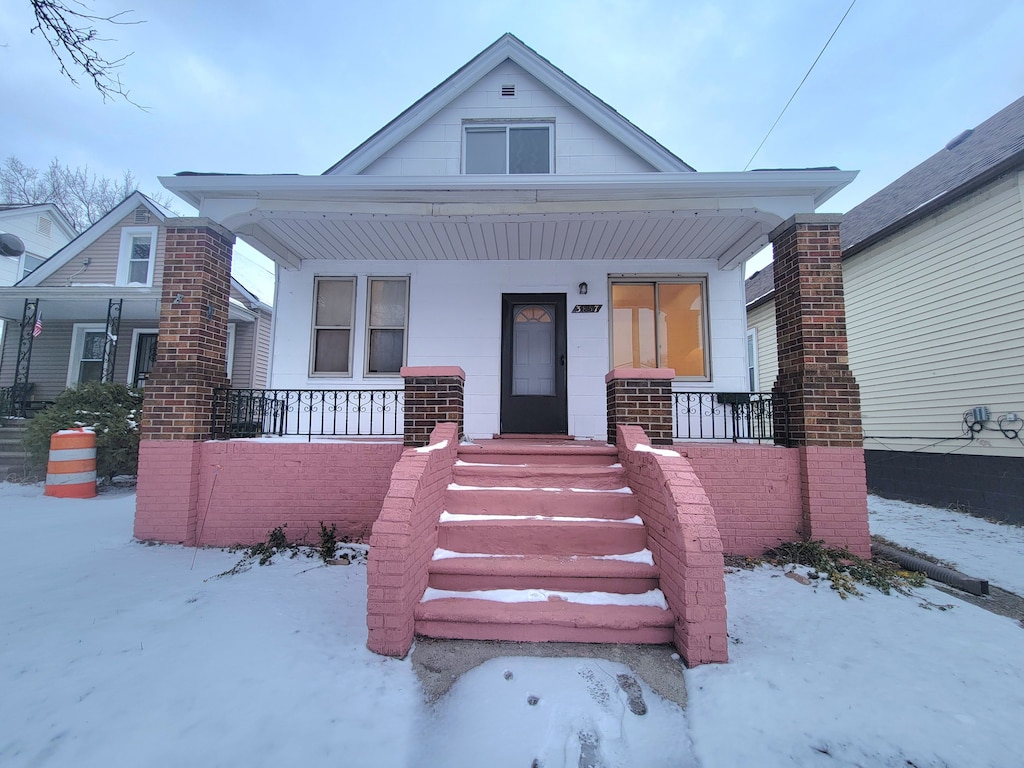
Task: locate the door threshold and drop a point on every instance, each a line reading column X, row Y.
column 530, row 436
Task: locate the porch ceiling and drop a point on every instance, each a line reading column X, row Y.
column 680, row 216
column 89, row 304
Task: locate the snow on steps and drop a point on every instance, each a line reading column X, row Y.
column 542, row 543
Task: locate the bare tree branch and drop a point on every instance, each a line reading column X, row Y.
column 72, row 37
column 82, row 196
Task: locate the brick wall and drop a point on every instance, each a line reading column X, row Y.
column 235, row 492
column 642, row 397
column 685, row 541
column 433, row 395
column 404, row 539
column 834, row 494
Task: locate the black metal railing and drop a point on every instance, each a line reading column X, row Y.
column 14, row 400
column 308, row 412
column 735, row 416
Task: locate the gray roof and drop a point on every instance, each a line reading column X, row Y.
column 968, row 161
column 760, row 285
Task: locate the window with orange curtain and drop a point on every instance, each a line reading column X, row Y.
column 660, row 324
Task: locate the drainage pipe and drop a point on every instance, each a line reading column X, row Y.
column 955, row 579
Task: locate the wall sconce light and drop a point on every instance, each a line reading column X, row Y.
column 178, row 298
column 583, row 289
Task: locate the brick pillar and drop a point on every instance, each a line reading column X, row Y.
column 191, row 362
column 641, row 396
column 822, row 413
column 433, row 394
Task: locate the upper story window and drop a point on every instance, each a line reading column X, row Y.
column 510, row 148
column 29, row 263
column 136, row 257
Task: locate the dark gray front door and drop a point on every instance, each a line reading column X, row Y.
column 533, row 370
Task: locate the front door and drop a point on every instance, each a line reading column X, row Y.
column 145, row 356
column 533, row 370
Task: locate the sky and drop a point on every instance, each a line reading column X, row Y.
column 293, row 87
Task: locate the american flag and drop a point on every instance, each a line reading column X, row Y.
column 39, row 324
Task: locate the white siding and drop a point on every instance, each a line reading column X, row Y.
column 455, row 319
column 435, row 148
column 936, row 323
column 762, row 318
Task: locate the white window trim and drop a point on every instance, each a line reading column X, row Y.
column 136, row 332
column 506, row 124
column 701, row 280
column 21, row 264
column 405, row 329
column 78, row 332
column 752, row 370
column 314, row 374
column 124, row 254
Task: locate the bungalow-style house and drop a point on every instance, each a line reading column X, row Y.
column 42, row 230
column 932, row 266
column 486, row 315
column 91, row 313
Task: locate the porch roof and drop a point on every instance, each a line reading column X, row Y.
column 722, row 216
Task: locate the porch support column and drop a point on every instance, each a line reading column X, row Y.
column 110, row 342
column 822, row 414
column 433, row 394
column 641, row 396
column 191, row 363
column 20, row 391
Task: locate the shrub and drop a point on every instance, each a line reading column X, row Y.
column 112, row 410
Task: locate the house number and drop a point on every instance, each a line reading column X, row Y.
column 586, row 309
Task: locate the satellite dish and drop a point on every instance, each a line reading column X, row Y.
column 11, row 245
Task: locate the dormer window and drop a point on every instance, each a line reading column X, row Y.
column 136, row 257
column 508, row 148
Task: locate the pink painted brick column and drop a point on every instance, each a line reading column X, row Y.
column 191, row 362
column 822, row 413
column 433, row 394
column 641, row 396
column 404, row 539
column 683, row 537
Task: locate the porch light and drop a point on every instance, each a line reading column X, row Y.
column 583, row 289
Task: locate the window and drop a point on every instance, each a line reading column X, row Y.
column 514, row 148
column 29, row 263
column 661, row 324
column 86, row 363
column 387, row 322
column 752, row 359
column 138, row 251
column 334, row 302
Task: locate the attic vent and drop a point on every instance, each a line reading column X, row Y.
column 508, row 90
column 141, row 216
column 959, row 139
column 43, row 226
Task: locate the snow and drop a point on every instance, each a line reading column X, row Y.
column 644, row 448
column 653, row 597
column 973, row 546
column 113, row 653
column 457, row 487
column 433, row 447
column 451, row 517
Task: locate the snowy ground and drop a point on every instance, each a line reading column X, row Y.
column 113, row 653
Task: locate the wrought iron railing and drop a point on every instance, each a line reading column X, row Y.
column 308, row 412
column 735, row 416
column 14, row 400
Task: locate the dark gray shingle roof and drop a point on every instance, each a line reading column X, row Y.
column 760, row 284
column 966, row 159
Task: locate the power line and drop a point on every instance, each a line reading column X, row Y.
column 799, row 86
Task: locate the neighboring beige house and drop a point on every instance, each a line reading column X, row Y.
column 96, row 305
column 933, row 270
column 42, row 229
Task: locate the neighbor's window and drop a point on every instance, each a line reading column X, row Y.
column 29, row 264
column 516, row 148
column 661, row 324
column 752, row 359
column 334, row 301
column 387, row 323
column 137, row 254
column 86, row 363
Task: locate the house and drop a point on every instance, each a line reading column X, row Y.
column 91, row 312
column 931, row 267
column 486, row 314
column 42, row 230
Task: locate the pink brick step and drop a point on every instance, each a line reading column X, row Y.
column 506, row 536
column 552, row 621
column 540, row 476
column 552, row 572
column 515, row 452
column 562, row 503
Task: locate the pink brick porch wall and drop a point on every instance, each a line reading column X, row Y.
column 835, row 489
column 686, row 545
column 235, row 492
column 755, row 491
column 404, row 539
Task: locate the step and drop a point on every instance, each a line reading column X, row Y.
column 613, row 505
column 539, row 476
column 518, row 535
column 511, row 452
column 542, row 621
column 576, row 573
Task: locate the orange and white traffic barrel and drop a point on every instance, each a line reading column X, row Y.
column 71, row 471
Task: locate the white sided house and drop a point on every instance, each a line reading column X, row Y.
column 486, row 314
